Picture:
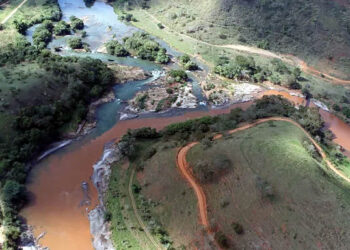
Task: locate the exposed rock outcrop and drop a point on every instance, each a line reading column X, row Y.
column 99, row 227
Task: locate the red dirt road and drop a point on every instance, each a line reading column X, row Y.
column 185, row 169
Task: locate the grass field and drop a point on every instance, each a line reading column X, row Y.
column 282, row 197
column 7, row 6
column 164, row 199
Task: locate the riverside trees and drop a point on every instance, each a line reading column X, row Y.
column 34, row 119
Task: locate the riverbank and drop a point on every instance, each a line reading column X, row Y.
column 123, row 74
column 99, row 226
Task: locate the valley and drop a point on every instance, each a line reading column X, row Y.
column 184, row 137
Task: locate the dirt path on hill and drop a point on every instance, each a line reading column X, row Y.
column 186, row 171
column 13, row 12
column 252, row 50
column 138, row 217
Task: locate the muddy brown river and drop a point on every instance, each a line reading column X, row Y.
column 60, row 203
column 56, row 209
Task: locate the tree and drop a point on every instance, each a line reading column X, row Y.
column 42, row 35
column 184, row 59
column 162, row 57
column 178, row 75
column 76, row 23
column 13, row 194
column 75, row 43
column 115, row 48
column 20, row 26
column 89, row 3
column 296, row 73
column 61, row 28
column 191, row 66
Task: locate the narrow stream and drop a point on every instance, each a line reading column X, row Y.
column 61, row 183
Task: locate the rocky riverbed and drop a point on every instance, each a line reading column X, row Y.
column 99, row 227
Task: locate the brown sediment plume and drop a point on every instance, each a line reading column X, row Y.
column 57, row 189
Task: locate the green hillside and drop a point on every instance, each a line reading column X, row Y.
column 317, row 31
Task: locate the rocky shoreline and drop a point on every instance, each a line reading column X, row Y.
column 124, row 74
column 99, row 227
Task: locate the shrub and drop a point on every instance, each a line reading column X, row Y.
column 238, row 228
column 184, row 59
column 142, row 45
column 115, row 48
column 162, row 57
column 75, row 43
column 76, row 23
column 42, row 35
column 191, row 66
column 128, row 17
column 61, row 28
column 178, row 75
column 222, row 240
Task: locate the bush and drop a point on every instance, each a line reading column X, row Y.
column 191, row 66
column 76, row 23
column 184, row 59
column 143, row 46
column 238, row 228
column 128, row 17
column 211, row 171
column 42, row 35
column 162, row 57
column 222, row 240
column 61, row 29
column 115, row 48
column 178, row 75
column 75, row 43
column 21, row 26
column 89, row 3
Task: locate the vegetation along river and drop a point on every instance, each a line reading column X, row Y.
column 61, row 183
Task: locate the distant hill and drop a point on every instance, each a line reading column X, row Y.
column 318, row 31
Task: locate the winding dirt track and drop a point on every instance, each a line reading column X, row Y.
column 187, row 173
column 13, row 12
column 290, row 59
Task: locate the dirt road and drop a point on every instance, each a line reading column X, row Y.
column 13, row 12
column 252, row 50
column 185, row 169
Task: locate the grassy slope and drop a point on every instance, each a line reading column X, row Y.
column 174, row 204
column 309, row 205
column 313, row 30
column 7, row 6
